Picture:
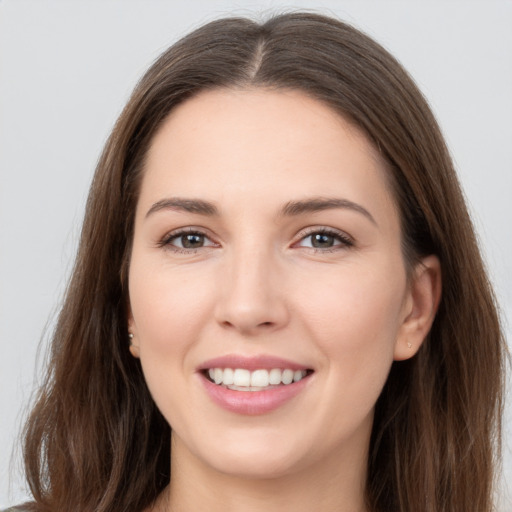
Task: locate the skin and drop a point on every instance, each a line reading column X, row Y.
column 256, row 285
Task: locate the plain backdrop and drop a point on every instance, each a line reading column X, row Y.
column 66, row 69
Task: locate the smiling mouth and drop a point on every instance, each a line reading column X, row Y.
column 241, row 379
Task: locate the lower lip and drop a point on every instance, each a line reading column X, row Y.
column 253, row 403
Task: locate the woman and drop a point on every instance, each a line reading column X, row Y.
column 255, row 318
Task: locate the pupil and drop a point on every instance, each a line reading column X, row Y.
column 322, row 240
column 192, row 241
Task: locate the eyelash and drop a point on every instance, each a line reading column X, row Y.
column 345, row 241
column 167, row 239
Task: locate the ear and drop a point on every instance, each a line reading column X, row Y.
column 132, row 336
column 420, row 309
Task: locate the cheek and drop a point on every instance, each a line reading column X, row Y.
column 167, row 312
column 355, row 318
column 166, row 307
column 355, row 322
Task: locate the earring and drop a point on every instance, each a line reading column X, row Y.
column 409, row 345
column 134, row 349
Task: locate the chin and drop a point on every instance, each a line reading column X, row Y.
column 262, row 467
column 253, row 455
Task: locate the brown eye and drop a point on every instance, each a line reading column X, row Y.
column 191, row 241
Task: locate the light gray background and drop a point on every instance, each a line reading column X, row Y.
column 67, row 68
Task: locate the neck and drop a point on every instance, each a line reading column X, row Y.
column 336, row 483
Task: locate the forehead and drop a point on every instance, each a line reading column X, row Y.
column 263, row 146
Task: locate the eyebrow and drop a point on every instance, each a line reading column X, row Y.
column 184, row 205
column 317, row 204
column 290, row 209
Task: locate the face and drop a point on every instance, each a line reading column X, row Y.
column 266, row 249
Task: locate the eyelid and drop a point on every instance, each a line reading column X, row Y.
column 165, row 241
column 345, row 239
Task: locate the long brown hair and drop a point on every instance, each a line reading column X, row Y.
column 95, row 439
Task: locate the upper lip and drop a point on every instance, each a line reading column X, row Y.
column 261, row 362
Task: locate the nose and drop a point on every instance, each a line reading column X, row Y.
column 253, row 297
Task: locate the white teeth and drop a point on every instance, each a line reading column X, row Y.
column 228, row 377
column 287, row 376
column 218, row 375
column 259, row 378
column 274, row 376
column 241, row 379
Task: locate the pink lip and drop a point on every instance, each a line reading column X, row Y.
column 262, row 362
column 251, row 402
